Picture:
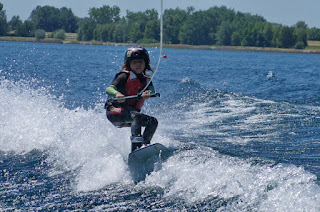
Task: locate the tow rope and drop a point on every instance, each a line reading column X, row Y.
column 160, row 55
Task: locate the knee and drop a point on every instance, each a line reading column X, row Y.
column 116, row 120
column 153, row 121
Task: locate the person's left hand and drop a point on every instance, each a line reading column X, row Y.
column 146, row 93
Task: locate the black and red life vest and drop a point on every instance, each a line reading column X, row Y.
column 133, row 87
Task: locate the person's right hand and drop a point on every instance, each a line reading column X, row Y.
column 118, row 95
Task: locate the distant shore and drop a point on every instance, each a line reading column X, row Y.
column 177, row 46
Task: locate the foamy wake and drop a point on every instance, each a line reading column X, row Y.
column 83, row 141
column 202, row 174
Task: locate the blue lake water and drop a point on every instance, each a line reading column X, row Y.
column 243, row 128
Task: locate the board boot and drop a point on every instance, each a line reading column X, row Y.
column 136, row 142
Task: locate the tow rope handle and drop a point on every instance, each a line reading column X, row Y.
column 138, row 96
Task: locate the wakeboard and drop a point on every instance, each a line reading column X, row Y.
column 144, row 160
column 144, row 154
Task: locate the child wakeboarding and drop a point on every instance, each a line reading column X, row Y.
column 128, row 82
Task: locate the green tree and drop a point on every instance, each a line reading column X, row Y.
column 50, row 19
column 68, row 20
column 173, row 20
column 301, row 25
column 86, row 29
column 236, row 39
column 137, row 22
column 120, row 33
column 46, row 18
column 4, row 27
column 27, row 29
column 105, row 14
column 248, row 32
column 101, row 33
column 301, row 36
column 104, row 32
column 111, row 28
column 135, row 33
column 15, row 22
column 286, row 37
column 217, row 25
column 259, row 34
column 40, row 34
column 299, row 45
column 216, row 15
column 313, row 34
column 152, row 30
column 59, row 34
column 244, row 42
column 185, row 34
column 268, row 34
column 195, row 30
column 201, row 27
column 275, row 38
column 224, row 33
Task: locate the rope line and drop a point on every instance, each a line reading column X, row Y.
column 161, row 36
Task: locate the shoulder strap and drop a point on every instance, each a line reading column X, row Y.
column 123, row 71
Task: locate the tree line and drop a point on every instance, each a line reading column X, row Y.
column 214, row 26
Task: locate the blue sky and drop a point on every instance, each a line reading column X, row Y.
column 286, row 12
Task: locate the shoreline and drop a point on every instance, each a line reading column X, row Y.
column 176, row 46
